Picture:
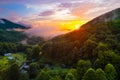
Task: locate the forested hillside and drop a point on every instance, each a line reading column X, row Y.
column 97, row 41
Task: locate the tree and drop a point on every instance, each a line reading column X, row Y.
column 35, row 40
column 43, row 75
column 82, row 67
column 111, row 41
column 33, row 70
column 29, row 53
column 88, row 48
column 89, row 75
column 24, row 76
column 70, row 76
column 110, row 71
column 36, row 51
column 74, row 72
column 109, row 56
column 73, row 56
column 11, row 73
column 100, row 48
column 100, row 74
column 97, row 64
column 56, row 78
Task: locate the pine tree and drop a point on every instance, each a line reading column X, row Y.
column 82, row 67
column 110, row 72
column 70, row 76
column 100, row 74
column 89, row 75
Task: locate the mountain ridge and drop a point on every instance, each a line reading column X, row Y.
column 79, row 44
column 109, row 16
column 7, row 24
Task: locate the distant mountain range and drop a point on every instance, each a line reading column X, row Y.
column 7, row 32
column 6, row 24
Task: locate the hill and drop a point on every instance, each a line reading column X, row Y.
column 82, row 43
column 7, row 32
column 6, row 24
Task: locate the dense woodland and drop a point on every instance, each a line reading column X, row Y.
column 90, row 53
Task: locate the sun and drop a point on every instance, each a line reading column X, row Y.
column 77, row 26
column 71, row 25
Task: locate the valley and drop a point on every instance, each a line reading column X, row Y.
column 88, row 52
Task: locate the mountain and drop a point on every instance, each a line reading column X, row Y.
column 6, row 24
column 99, row 34
column 7, row 32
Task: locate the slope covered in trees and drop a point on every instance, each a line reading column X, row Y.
column 88, row 41
column 96, row 41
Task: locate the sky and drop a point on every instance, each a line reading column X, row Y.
column 49, row 18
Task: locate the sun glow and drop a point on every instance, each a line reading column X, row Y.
column 71, row 25
column 77, row 26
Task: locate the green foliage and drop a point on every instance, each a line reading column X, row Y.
column 36, row 51
column 89, row 75
column 88, row 48
column 33, row 53
column 109, row 56
column 7, row 47
column 100, row 74
column 29, row 53
column 11, row 73
column 56, row 78
column 100, row 48
column 24, row 76
column 97, row 64
column 70, row 76
column 110, row 71
column 33, row 70
column 4, row 63
column 11, row 36
column 43, row 75
column 35, row 40
column 74, row 72
column 82, row 67
column 57, row 71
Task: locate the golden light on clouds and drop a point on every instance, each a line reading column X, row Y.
column 71, row 25
column 50, row 28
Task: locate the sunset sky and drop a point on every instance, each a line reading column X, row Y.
column 52, row 17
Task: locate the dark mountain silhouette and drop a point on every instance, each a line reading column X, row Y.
column 6, row 24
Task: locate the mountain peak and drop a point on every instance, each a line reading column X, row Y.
column 6, row 24
column 107, row 17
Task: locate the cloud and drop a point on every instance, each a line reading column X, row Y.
column 45, row 29
column 46, row 13
column 99, row 7
column 36, row 2
column 65, row 5
column 14, row 16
